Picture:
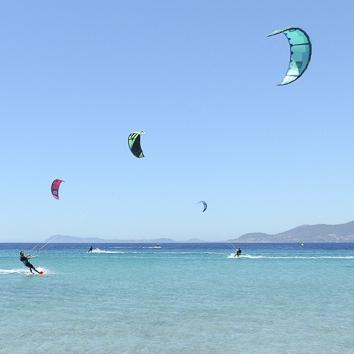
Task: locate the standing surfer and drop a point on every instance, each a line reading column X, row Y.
column 90, row 250
column 25, row 260
column 238, row 252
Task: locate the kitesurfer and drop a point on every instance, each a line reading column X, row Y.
column 25, row 260
column 238, row 252
column 90, row 249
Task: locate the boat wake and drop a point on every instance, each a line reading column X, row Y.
column 13, row 271
column 22, row 271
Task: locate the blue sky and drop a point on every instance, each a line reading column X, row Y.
column 200, row 78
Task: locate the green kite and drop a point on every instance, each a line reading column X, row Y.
column 300, row 53
column 134, row 144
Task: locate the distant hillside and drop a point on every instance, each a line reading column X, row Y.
column 74, row 239
column 305, row 233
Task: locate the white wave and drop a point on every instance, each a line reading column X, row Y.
column 232, row 255
column 248, row 256
column 98, row 250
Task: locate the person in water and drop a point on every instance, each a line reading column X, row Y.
column 25, row 260
column 238, row 252
column 90, row 249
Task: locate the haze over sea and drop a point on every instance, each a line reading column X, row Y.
column 182, row 298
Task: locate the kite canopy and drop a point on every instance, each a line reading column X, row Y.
column 300, row 53
column 55, row 188
column 205, row 205
column 134, row 144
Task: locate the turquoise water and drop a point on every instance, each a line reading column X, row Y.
column 179, row 299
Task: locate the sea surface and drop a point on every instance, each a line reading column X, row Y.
column 180, row 298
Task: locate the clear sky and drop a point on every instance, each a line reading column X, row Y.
column 76, row 77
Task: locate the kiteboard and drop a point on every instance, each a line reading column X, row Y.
column 42, row 272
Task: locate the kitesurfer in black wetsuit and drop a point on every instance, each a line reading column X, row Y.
column 238, row 252
column 25, row 260
column 90, row 250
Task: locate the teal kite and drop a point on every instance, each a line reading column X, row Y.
column 134, row 144
column 300, row 53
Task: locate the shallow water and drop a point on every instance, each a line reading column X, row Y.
column 182, row 298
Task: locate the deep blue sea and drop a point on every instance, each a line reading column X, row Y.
column 180, row 298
